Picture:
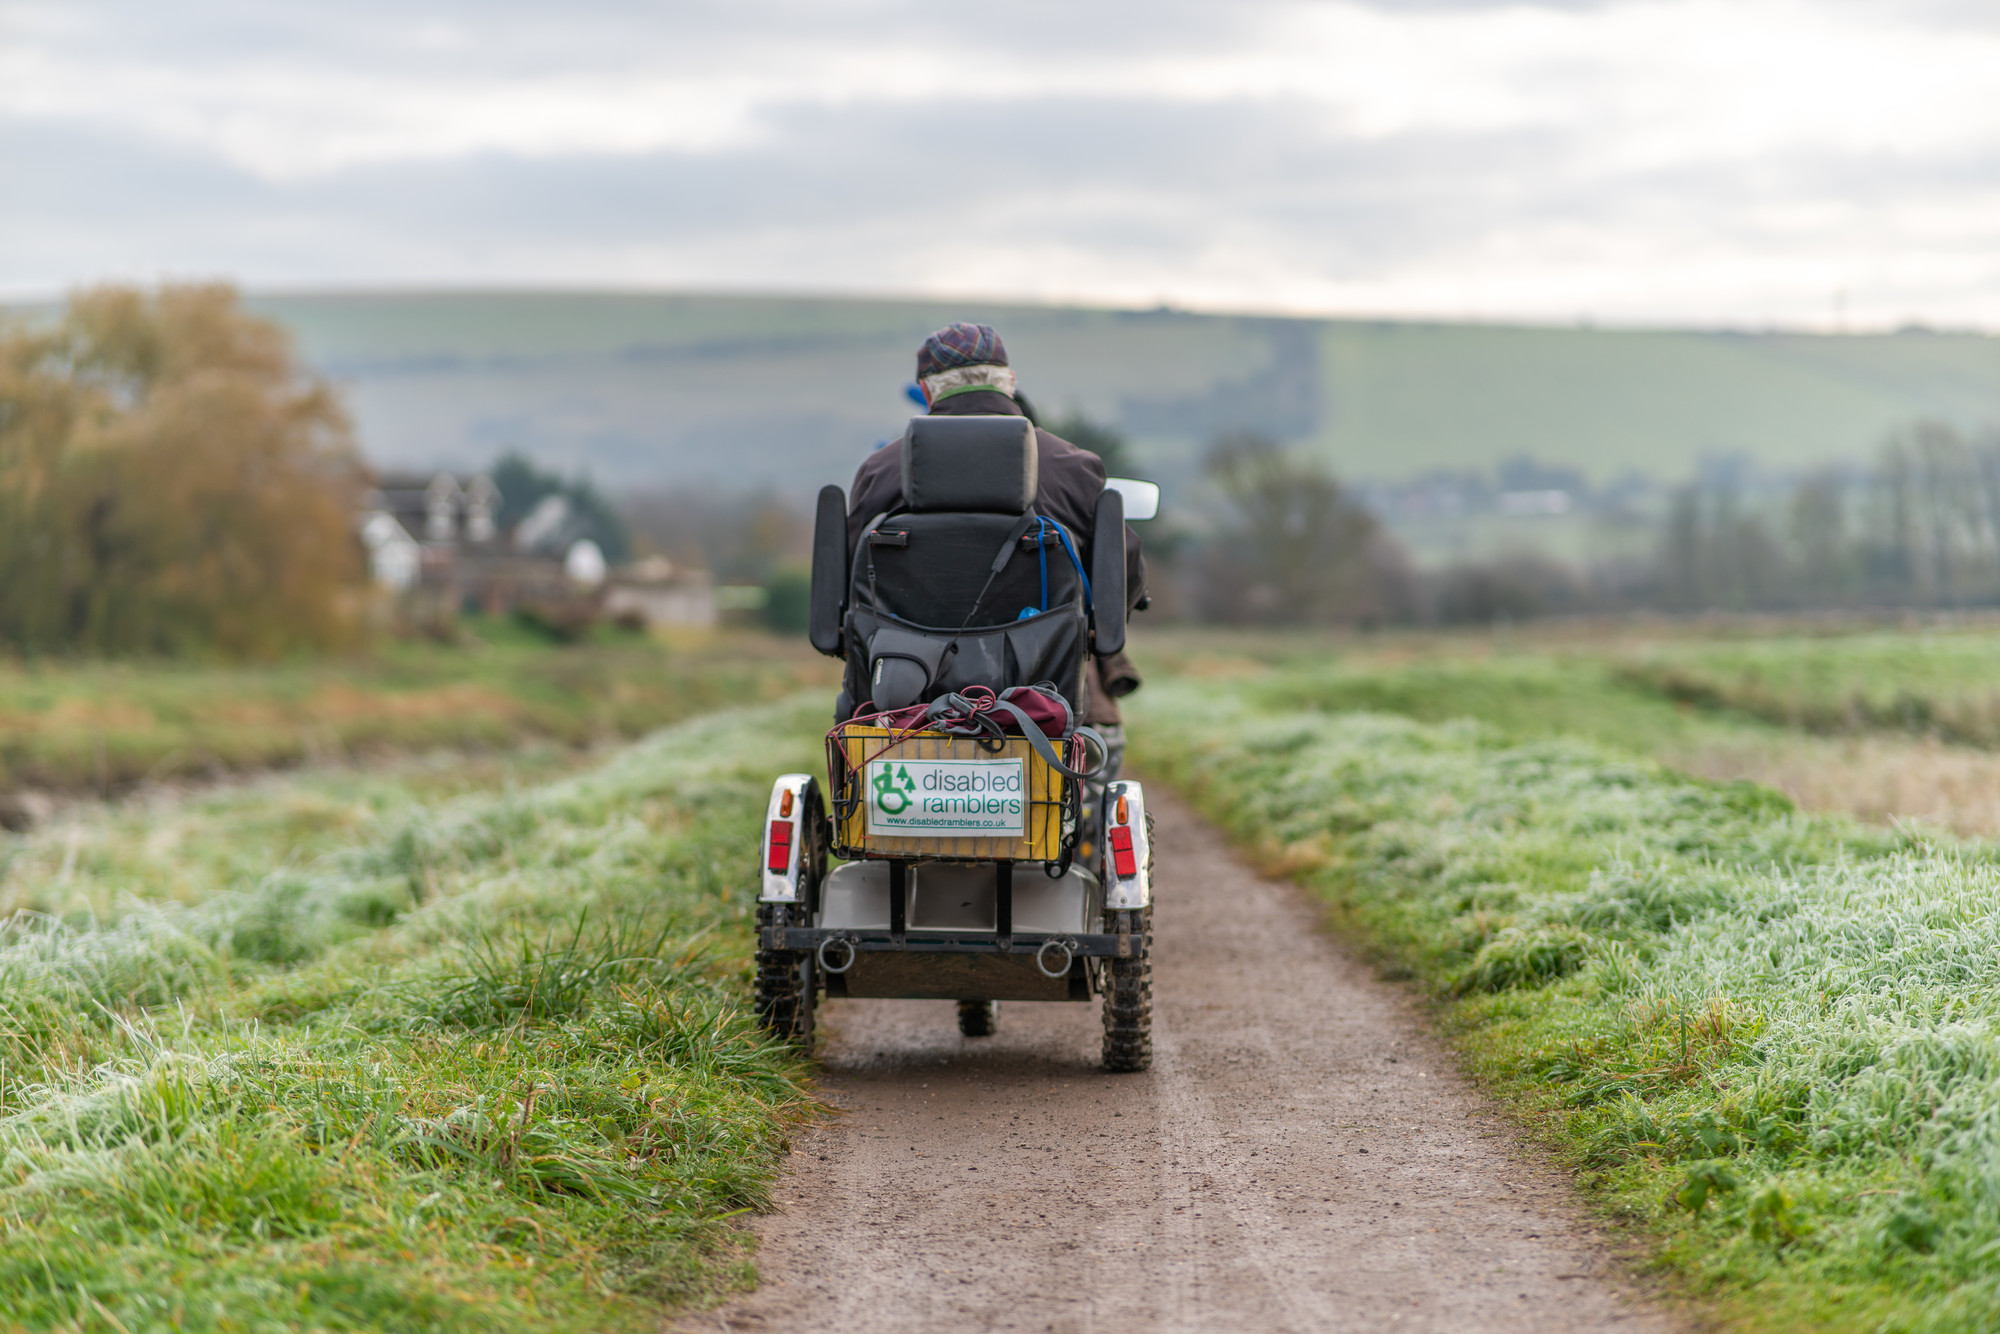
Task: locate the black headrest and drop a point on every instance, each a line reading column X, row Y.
column 969, row 465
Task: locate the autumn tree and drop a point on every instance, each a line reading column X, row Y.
column 171, row 481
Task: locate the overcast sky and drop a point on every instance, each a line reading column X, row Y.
column 1747, row 162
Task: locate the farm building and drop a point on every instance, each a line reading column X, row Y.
column 435, row 540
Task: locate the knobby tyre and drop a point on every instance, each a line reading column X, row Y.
column 784, row 993
column 1128, row 986
column 1128, row 997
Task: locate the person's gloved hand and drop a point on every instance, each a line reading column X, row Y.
column 1119, row 675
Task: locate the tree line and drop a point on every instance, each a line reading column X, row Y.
column 1918, row 527
column 1282, row 541
column 173, row 481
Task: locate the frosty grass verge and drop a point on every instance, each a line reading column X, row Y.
column 1773, row 1037
column 484, row 1062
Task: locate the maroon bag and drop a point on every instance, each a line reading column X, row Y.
column 977, row 711
column 1043, row 706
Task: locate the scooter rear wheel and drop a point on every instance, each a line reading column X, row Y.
column 784, row 994
column 1128, row 986
column 1128, row 998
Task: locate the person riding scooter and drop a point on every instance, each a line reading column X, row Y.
column 963, row 371
column 977, row 587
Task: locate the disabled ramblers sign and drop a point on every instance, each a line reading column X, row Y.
column 946, row 798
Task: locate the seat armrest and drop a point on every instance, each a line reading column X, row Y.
column 829, row 572
column 1107, row 574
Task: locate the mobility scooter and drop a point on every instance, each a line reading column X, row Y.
column 964, row 843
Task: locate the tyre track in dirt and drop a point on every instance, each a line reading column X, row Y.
column 1302, row 1156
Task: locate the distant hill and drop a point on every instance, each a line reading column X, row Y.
column 789, row 392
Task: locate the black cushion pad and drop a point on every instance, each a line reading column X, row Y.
column 932, row 566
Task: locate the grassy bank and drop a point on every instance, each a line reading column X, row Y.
column 1942, row 684
column 101, row 726
column 354, row 1052
column 1769, row 1039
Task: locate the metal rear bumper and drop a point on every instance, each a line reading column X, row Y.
column 1091, row 945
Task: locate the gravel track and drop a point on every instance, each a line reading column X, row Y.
column 1302, row 1156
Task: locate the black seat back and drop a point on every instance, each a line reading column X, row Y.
column 932, row 606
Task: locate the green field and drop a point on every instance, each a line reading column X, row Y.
column 459, row 1040
column 790, row 391
column 1941, row 684
column 104, row 726
column 1889, row 726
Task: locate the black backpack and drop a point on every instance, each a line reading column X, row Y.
column 965, row 583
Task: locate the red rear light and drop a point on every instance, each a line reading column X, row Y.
column 1123, row 860
column 779, row 859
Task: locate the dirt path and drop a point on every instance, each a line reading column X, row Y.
column 1301, row 1157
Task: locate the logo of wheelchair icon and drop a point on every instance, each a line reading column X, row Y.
column 894, row 789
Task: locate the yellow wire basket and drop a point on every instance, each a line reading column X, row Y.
column 935, row 795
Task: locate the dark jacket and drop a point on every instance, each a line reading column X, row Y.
column 1068, row 482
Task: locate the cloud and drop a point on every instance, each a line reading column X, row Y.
column 1683, row 160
